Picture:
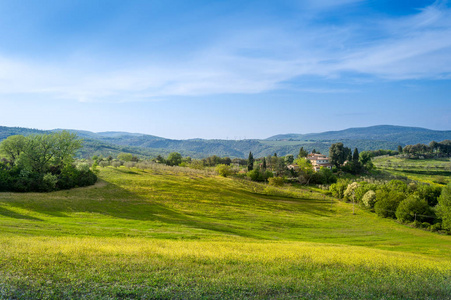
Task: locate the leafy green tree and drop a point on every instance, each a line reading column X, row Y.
column 305, row 170
column 337, row 154
column 397, row 186
column 289, row 159
column 324, row 176
column 174, row 159
column 444, row 207
column 223, row 170
column 428, row 193
column 387, row 202
column 400, row 149
column 125, row 156
column 349, row 194
column 337, row 189
column 302, row 153
column 276, row 181
column 365, row 160
column 414, row 208
column 250, row 162
column 13, row 146
column 369, row 199
column 355, row 156
column 65, row 146
column 38, row 153
column 264, row 163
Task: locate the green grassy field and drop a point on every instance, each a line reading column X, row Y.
column 174, row 233
column 431, row 171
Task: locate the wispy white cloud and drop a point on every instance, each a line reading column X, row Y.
column 256, row 60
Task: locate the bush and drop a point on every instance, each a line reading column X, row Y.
column 369, row 199
column 387, row 202
column 223, row 170
column 258, row 175
column 49, row 182
column 337, row 189
column 276, row 181
column 425, row 225
column 435, row 227
column 349, row 193
column 444, row 207
column 414, row 207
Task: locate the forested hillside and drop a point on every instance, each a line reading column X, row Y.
column 371, row 138
column 396, row 134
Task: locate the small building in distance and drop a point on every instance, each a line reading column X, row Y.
column 319, row 161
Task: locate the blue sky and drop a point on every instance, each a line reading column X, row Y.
column 225, row 69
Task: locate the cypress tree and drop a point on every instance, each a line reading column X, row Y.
column 355, row 156
column 250, row 162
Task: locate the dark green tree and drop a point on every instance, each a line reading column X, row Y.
column 355, row 156
column 400, row 149
column 337, row 154
column 289, row 159
column 174, row 159
column 414, row 209
column 250, row 162
column 302, row 153
column 444, row 207
column 264, row 163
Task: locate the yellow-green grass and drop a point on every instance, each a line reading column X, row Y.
column 431, row 171
column 173, row 234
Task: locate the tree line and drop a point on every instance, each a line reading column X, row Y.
column 422, row 205
column 42, row 162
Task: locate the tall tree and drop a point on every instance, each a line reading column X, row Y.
column 264, row 163
column 250, row 162
column 65, row 146
column 174, row 159
column 13, row 146
column 355, row 156
column 444, row 207
column 289, row 158
column 302, row 153
column 400, row 149
column 337, row 154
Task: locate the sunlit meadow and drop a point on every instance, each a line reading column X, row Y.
column 178, row 233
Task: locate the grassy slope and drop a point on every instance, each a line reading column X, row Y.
column 164, row 233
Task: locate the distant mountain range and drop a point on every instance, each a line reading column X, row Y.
column 366, row 138
column 389, row 133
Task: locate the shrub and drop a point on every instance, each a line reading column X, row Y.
column 435, row 227
column 387, row 202
column 425, row 225
column 49, row 182
column 223, row 170
column 349, row 193
column 276, row 181
column 258, row 175
column 337, row 189
column 444, row 207
column 414, row 207
column 369, row 199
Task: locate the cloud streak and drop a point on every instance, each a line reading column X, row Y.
column 256, row 60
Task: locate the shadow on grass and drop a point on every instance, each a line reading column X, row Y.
column 120, row 203
column 11, row 214
column 127, row 171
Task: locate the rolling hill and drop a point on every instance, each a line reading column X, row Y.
column 368, row 138
column 179, row 233
column 389, row 133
